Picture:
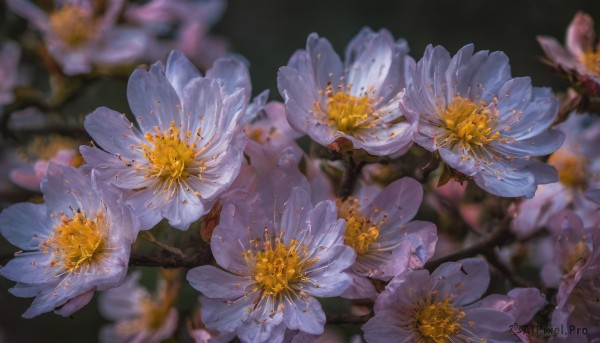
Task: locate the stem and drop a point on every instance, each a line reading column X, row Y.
column 347, row 319
column 497, row 238
column 174, row 259
column 493, row 259
column 350, row 176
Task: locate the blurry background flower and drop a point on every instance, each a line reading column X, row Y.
column 79, row 34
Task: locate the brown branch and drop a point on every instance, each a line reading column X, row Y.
column 340, row 319
column 350, row 177
column 173, row 259
column 493, row 259
column 497, row 238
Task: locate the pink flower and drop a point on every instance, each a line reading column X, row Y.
column 580, row 58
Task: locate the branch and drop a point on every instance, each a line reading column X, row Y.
column 174, row 259
column 493, row 259
column 339, row 319
column 350, row 176
column 497, row 238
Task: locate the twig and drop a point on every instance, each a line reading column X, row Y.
column 174, row 259
column 493, row 259
column 347, row 319
column 350, row 176
column 150, row 238
column 497, row 238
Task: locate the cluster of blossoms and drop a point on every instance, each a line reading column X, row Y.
column 270, row 226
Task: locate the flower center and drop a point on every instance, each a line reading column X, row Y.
column 72, row 25
column 439, row 321
column 591, row 61
column 572, row 169
column 469, row 123
column 361, row 234
column 277, row 266
column 170, row 158
column 347, row 112
column 77, row 242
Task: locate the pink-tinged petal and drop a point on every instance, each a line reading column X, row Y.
column 397, row 203
column 228, row 243
column 226, row 316
column 304, row 314
column 294, row 219
column 465, row 280
column 153, row 100
column 145, row 205
column 529, row 301
column 216, row 283
column 384, row 328
column 556, row 53
column 184, row 209
column 234, row 73
column 180, row 71
column 113, row 132
column 490, row 77
column 371, row 68
column 461, row 69
column 581, row 34
column 25, row 225
column 66, row 188
column 360, row 288
column 203, row 108
column 121, row 172
column 31, row 268
column 487, row 322
column 122, row 302
column 76, row 303
column 123, row 45
column 326, row 63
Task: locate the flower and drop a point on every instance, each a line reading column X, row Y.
column 278, row 252
column 187, row 149
column 357, row 100
column 189, row 23
column 81, row 33
column 576, row 254
column 74, row 244
column 10, row 53
column 483, row 123
column 580, row 59
column 580, row 312
column 45, row 150
column 441, row 307
column 380, row 230
column 140, row 316
column 578, row 165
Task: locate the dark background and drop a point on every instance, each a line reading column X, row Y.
column 267, row 32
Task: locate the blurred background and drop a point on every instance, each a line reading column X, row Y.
column 266, row 33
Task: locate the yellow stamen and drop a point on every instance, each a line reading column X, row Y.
column 439, row 321
column 72, row 25
column 591, row 61
column 278, row 266
column 468, row 123
column 347, row 112
column 78, row 241
column 46, row 148
column 573, row 169
column 169, row 157
column 361, row 234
